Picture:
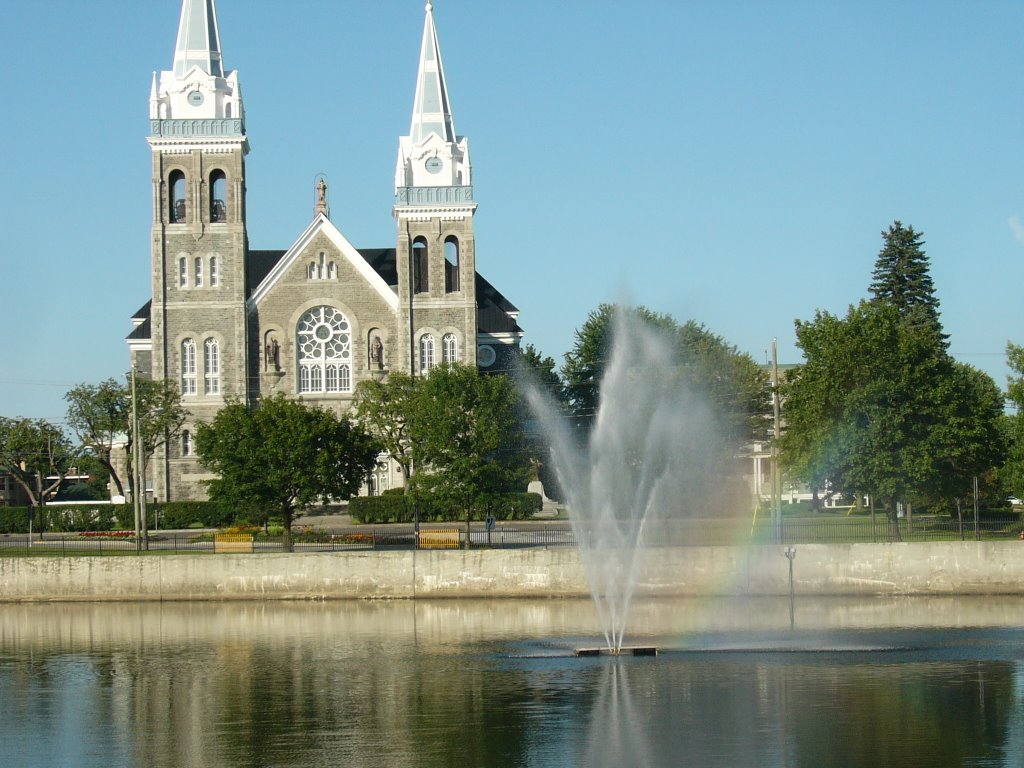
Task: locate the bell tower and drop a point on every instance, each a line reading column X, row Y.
column 434, row 209
column 199, row 243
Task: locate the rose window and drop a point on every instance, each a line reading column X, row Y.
column 324, row 343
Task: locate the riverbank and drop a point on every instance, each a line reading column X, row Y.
column 923, row 568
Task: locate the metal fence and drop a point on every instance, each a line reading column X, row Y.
column 697, row 532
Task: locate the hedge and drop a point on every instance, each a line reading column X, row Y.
column 395, row 508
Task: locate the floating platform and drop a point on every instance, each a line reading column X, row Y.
column 634, row 650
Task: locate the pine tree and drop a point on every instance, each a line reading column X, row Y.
column 902, row 278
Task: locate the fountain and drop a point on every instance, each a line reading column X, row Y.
column 624, row 482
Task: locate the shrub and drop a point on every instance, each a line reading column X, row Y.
column 388, row 508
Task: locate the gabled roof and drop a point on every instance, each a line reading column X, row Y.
column 494, row 313
column 321, row 225
column 259, row 264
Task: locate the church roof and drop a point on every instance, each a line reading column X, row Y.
column 260, row 263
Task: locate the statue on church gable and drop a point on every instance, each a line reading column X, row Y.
column 321, row 198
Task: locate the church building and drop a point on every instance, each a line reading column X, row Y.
column 316, row 318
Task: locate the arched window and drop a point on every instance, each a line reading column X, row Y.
column 176, row 182
column 218, row 197
column 188, row 367
column 380, row 476
column 183, row 272
column 199, row 272
column 211, row 367
column 323, row 339
column 449, row 349
column 214, row 272
column 186, row 443
column 420, row 267
column 451, row 265
column 426, row 353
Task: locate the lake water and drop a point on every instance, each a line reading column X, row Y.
column 912, row 682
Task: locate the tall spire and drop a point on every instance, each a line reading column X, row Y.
column 197, row 89
column 432, row 156
column 431, row 112
column 198, row 39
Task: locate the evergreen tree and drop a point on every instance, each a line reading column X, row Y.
column 902, row 277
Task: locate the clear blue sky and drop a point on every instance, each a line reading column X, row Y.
column 730, row 162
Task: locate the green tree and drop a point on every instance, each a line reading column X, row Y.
column 99, row 416
column 732, row 381
column 468, row 442
column 37, row 455
column 968, row 441
column 381, row 407
column 542, row 371
column 281, row 455
column 860, row 411
column 1012, row 471
column 902, row 276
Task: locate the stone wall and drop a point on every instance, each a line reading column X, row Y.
column 945, row 568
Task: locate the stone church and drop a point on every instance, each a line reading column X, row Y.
column 316, row 318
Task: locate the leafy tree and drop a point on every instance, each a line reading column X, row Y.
column 381, row 407
column 468, row 438
column 1012, row 472
column 860, row 410
column 879, row 406
column 33, row 451
column 281, row 455
column 968, row 441
column 99, row 416
column 541, row 371
column 731, row 380
column 902, row 277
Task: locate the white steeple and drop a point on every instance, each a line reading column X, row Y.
column 432, row 155
column 198, row 39
column 197, row 88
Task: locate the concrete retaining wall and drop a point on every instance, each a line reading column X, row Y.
column 819, row 569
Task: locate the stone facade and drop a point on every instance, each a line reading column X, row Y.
column 229, row 322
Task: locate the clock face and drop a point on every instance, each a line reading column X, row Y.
column 195, row 98
column 434, row 164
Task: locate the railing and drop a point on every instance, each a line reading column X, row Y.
column 696, row 532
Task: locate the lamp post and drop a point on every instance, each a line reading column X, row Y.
column 135, row 461
column 790, row 553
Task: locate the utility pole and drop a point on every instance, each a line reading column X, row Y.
column 777, row 421
column 135, row 464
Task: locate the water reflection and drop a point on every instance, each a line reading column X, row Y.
column 494, row 684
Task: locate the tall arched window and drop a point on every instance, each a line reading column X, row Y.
column 186, row 443
column 323, row 339
column 426, row 353
column 211, row 367
column 449, row 349
column 188, row 367
column 420, row 266
column 176, row 200
column 218, row 197
column 199, row 272
column 183, row 272
column 451, row 265
column 214, row 272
